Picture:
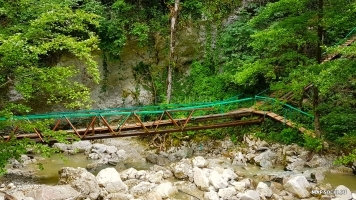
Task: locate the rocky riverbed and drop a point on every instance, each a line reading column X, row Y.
column 125, row 168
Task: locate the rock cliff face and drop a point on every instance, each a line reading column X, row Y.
column 120, row 85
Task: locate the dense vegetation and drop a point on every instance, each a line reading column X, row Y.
column 274, row 45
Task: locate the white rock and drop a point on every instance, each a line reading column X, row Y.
column 247, row 182
column 165, row 190
column 266, row 159
column 154, row 177
column 183, row 169
column 298, row 186
column 81, row 180
column 11, row 186
column 110, row 179
column 264, row 190
column 142, row 188
column 99, row 148
column 250, row 195
column 140, row 174
column 229, row 174
column 343, row 193
column 152, row 196
column 354, row 195
column 166, row 172
column 54, row 192
column 200, row 179
column 227, row 193
column 239, row 186
column 212, row 195
column 130, row 173
column 199, row 161
column 111, row 149
column 239, row 159
column 121, row 153
column 27, row 198
column 82, row 146
column 217, row 180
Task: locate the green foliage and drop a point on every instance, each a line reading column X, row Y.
column 28, row 49
column 347, row 159
column 312, row 143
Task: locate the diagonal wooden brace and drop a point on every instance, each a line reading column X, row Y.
column 106, row 123
column 172, row 120
column 70, row 123
column 187, row 120
column 90, row 125
column 159, row 121
column 142, row 125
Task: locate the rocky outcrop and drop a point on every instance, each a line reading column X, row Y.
column 58, row 192
column 81, row 180
column 183, row 169
column 343, row 193
column 217, row 180
column 200, row 179
column 110, row 179
column 298, row 186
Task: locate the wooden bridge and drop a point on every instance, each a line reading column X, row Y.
column 98, row 124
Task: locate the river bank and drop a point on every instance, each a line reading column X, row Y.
column 126, row 168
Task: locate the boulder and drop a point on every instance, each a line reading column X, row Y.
column 266, row 159
column 165, row 190
column 239, row 186
column 130, row 173
column 217, row 180
column 212, row 195
column 229, row 174
column 111, row 150
column 185, row 152
column 298, row 186
column 183, row 169
column 142, row 188
column 250, row 195
column 341, row 170
column 227, row 193
column 200, row 180
column 61, row 146
column 99, row 148
column 81, row 180
column 119, row 196
column 295, row 163
column 239, row 159
column 264, row 190
column 152, row 158
column 166, row 172
column 199, row 161
column 82, row 146
column 121, row 154
column 57, row 192
column 154, row 177
column 343, row 193
column 152, row 196
column 110, row 179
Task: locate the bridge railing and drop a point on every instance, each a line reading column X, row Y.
column 289, row 112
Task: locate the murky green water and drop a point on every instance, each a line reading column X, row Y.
column 341, row 179
column 49, row 175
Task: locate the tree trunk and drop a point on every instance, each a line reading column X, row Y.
column 317, row 127
column 174, row 15
column 320, row 32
